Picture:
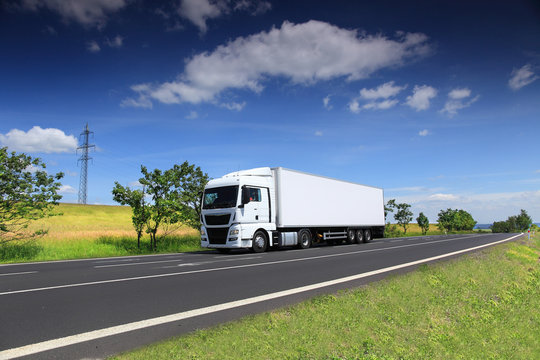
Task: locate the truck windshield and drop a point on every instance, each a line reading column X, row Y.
column 220, row 197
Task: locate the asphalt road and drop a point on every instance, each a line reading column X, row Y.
column 98, row 307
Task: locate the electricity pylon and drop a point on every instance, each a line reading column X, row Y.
column 84, row 164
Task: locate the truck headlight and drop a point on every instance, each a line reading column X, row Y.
column 203, row 232
column 234, row 232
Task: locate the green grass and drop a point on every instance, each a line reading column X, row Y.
column 86, row 231
column 482, row 306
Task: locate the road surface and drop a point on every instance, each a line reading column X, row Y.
column 98, row 307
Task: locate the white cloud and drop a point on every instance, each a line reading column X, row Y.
column 93, row 46
column 383, row 91
column 456, row 101
column 458, row 94
column 304, row 53
column 38, row 140
column 442, row 197
column 86, row 12
column 318, row 133
column 424, row 132
column 32, row 169
column 326, row 103
column 421, row 97
column 354, row 106
column 381, row 105
column 67, row 189
column 255, row 7
column 198, row 11
column 192, row 115
column 142, row 101
column 135, row 183
column 522, row 77
column 234, row 106
column 116, row 42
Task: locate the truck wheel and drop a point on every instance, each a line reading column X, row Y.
column 350, row 236
column 259, row 242
column 359, row 236
column 304, row 239
column 367, row 235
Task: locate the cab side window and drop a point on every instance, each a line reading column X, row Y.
column 254, row 194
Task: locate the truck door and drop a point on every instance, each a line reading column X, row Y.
column 257, row 210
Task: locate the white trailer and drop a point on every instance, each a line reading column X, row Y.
column 267, row 207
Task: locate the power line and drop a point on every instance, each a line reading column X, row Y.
column 84, row 164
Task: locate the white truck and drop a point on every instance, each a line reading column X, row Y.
column 276, row 207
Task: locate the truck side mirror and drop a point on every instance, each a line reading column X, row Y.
column 245, row 195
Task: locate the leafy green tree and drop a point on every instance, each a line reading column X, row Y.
column 514, row 223
column 455, row 220
column 389, row 207
column 27, row 193
column 174, row 194
column 135, row 199
column 523, row 220
column 190, row 181
column 403, row 216
column 423, row 222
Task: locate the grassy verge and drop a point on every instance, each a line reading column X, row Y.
column 86, row 231
column 482, row 306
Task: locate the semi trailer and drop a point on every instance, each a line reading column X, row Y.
column 276, row 207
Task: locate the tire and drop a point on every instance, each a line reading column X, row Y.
column 359, row 236
column 367, row 236
column 223, row 251
column 304, row 239
column 260, row 242
column 351, row 236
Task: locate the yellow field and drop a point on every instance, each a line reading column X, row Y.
column 91, row 222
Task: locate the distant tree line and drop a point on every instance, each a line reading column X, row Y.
column 448, row 220
column 517, row 223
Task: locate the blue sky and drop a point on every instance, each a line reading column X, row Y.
column 436, row 102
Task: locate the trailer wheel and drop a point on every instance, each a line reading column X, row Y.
column 359, row 236
column 259, row 242
column 367, row 235
column 304, row 239
column 350, row 236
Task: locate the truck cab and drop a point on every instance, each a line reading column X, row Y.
column 237, row 206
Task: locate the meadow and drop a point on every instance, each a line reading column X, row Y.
column 86, row 231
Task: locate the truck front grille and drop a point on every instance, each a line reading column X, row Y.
column 217, row 235
column 217, row 219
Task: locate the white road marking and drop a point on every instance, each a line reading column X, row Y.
column 19, row 273
column 139, row 263
column 137, row 325
column 215, row 269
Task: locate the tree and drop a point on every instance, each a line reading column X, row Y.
column 175, row 196
column 27, row 193
column 523, row 220
column 389, row 207
column 455, row 220
column 191, row 182
column 135, row 199
column 403, row 216
column 423, row 222
column 514, row 223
